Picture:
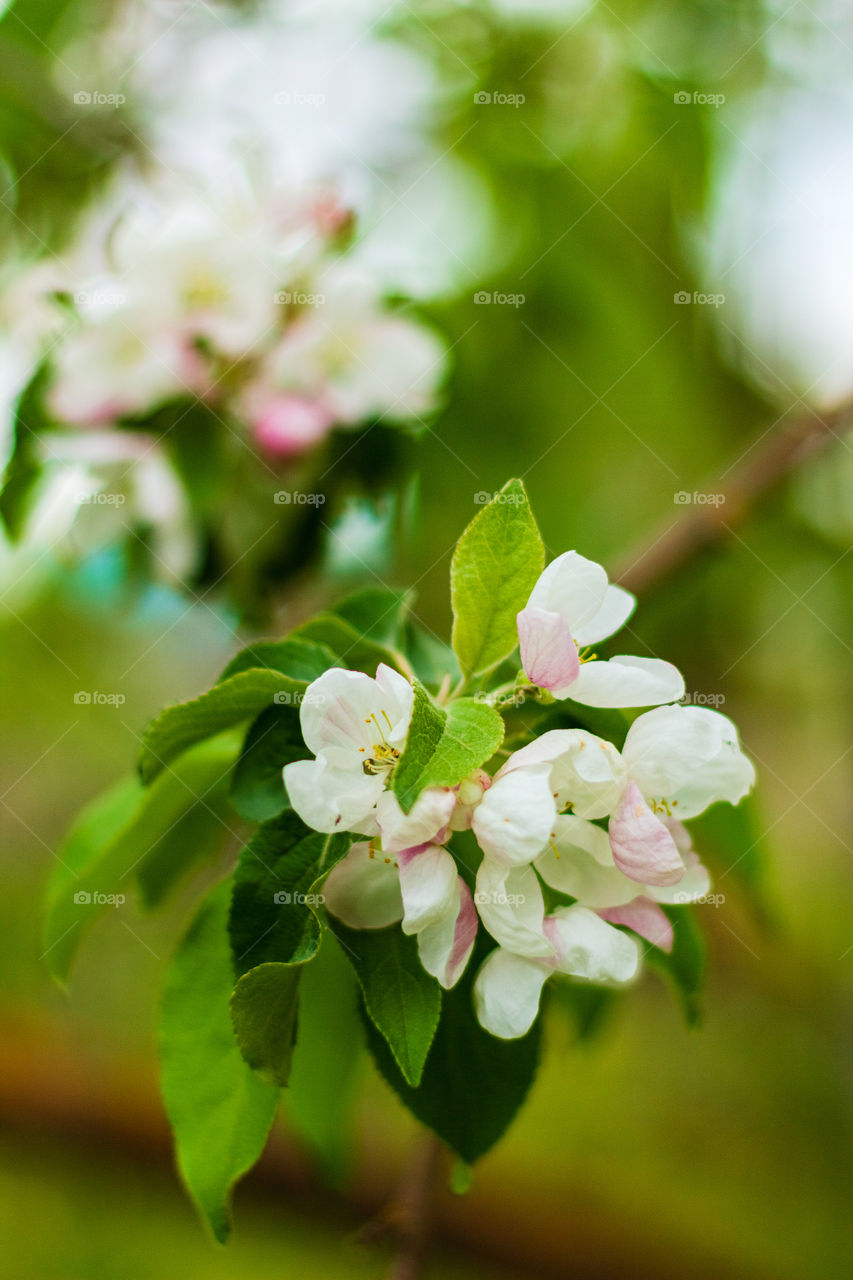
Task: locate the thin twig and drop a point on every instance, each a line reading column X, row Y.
column 413, row 1211
column 702, row 525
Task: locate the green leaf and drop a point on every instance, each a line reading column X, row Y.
column 470, row 733
column 326, row 1059
column 219, row 1110
column 429, row 657
column 271, row 917
column 377, row 613
column 425, row 732
column 115, row 836
column 263, row 1015
column 257, row 785
column 353, row 650
column 473, row 1084
column 684, row 966
column 402, row 999
column 198, row 834
column 239, row 698
column 299, row 659
column 495, row 567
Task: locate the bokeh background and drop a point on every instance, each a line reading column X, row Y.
column 629, row 153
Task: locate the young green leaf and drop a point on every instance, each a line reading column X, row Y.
column 473, row 1084
column 257, row 785
column 377, row 613
column 471, row 733
column 263, row 1015
column 231, row 702
column 495, row 567
column 299, row 659
column 353, row 650
column 219, row 1110
column 271, row 918
column 114, row 837
column 402, row 999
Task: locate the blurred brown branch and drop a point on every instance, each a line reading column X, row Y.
column 699, row 528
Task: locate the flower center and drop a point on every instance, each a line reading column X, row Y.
column 663, row 806
column 383, row 756
column 585, row 655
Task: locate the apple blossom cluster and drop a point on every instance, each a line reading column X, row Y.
column 538, row 819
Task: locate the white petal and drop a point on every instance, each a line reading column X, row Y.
column 363, row 890
column 445, row 947
column 589, row 776
column 339, row 707
column 330, row 799
column 506, row 993
column 510, row 903
column 545, row 749
column 626, row 682
column 428, row 817
column 428, row 884
column 588, row 947
column 515, row 817
column 572, row 586
column 666, row 747
column 616, row 609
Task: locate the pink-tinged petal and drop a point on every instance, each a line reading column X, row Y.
column 286, row 424
column 645, row 918
column 363, row 890
column 642, row 846
column 445, row 947
column 424, row 824
column 549, row 655
column 428, row 884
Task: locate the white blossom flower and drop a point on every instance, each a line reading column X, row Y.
column 370, row 889
column 356, row 726
column 578, row 943
column 571, row 607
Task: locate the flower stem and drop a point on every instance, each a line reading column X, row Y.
column 415, row 1209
